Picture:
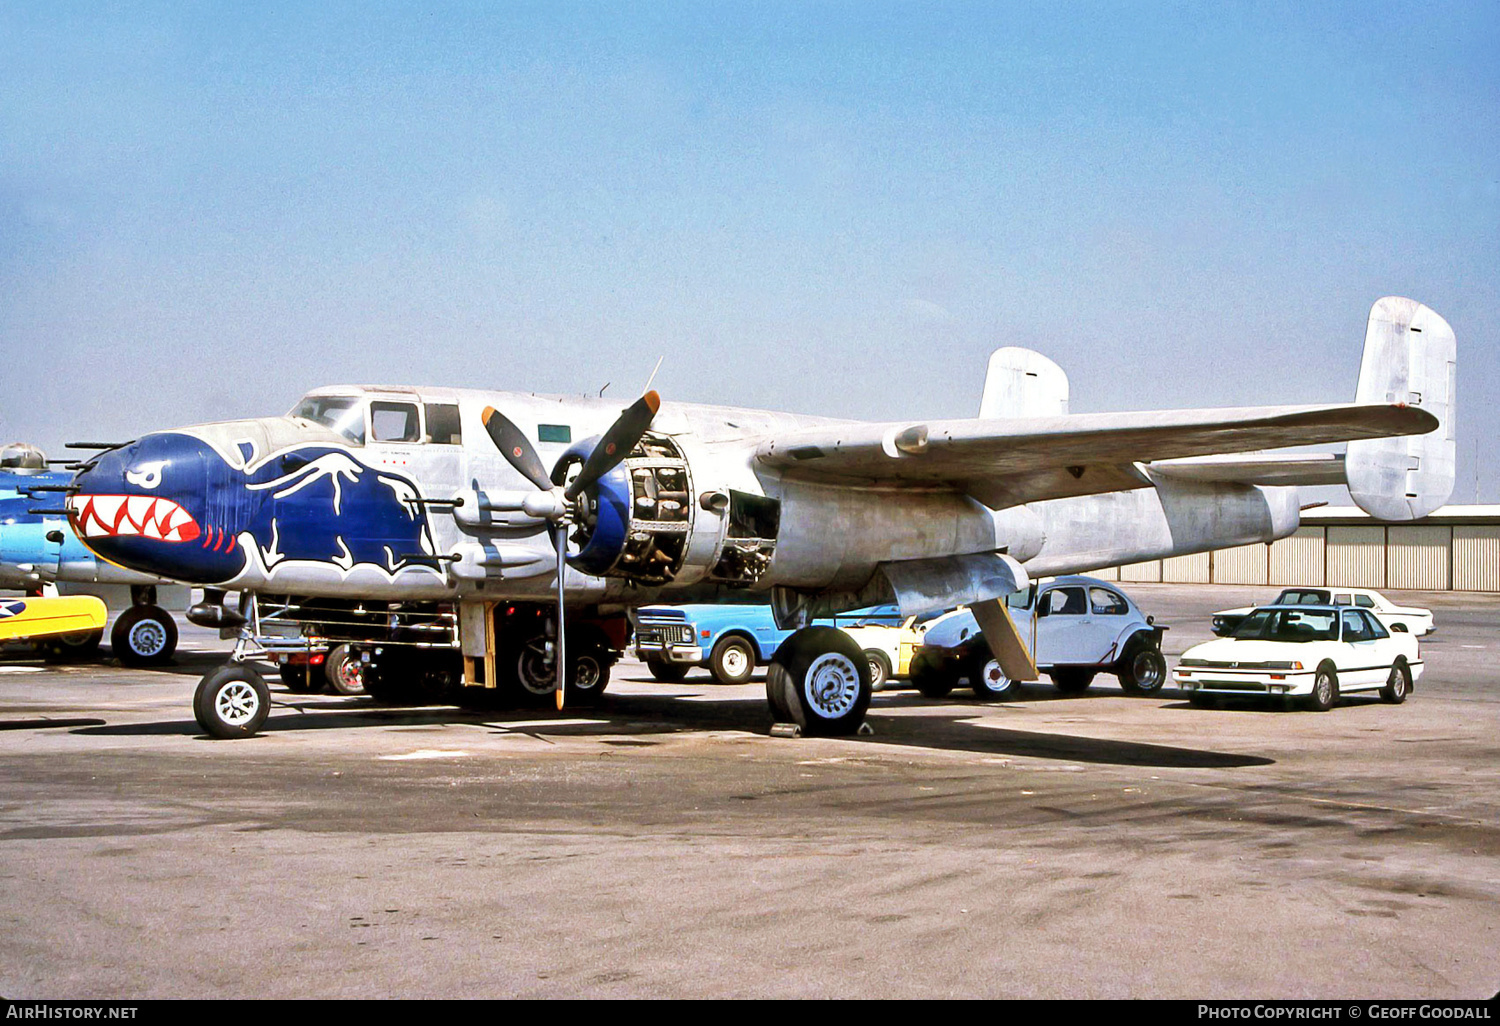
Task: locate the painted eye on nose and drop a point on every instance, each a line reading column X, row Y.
column 146, row 475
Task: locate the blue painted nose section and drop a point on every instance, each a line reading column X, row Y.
column 164, row 505
column 172, row 505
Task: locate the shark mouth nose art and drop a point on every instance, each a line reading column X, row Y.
column 101, row 516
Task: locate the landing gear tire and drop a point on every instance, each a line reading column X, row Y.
column 930, row 678
column 1397, row 685
column 667, row 673
column 825, row 681
column 732, row 661
column 1071, row 680
column 68, row 648
column 143, row 636
column 1325, row 692
column 988, row 681
column 1144, row 672
column 232, row 702
column 302, row 679
column 344, row 672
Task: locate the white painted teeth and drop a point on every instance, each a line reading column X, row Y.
column 106, row 510
column 125, row 516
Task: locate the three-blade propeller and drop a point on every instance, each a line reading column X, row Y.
column 613, row 447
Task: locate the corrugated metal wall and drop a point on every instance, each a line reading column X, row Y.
column 1476, row 557
column 1417, row 557
column 1192, row 569
column 1422, row 557
column 1356, row 556
column 1243, row 565
column 1298, row 559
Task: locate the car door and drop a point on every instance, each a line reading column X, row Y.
column 1362, row 664
column 1066, row 634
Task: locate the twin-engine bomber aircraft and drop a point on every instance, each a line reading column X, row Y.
column 445, row 531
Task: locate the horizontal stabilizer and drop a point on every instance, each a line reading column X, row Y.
column 1409, row 360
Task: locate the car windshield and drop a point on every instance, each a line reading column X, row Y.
column 1293, row 625
column 1301, row 597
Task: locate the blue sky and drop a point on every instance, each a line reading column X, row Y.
column 206, row 209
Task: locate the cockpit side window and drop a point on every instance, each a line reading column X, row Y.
column 343, row 414
column 394, row 422
column 442, row 424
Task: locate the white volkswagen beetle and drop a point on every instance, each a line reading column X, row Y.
column 1312, row 653
column 1076, row 627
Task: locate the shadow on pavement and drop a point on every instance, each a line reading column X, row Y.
column 644, row 715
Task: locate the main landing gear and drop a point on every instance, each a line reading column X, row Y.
column 819, row 679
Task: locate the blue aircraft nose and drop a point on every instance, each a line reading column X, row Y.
column 148, row 506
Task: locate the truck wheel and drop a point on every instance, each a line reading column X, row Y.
column 732, row 661
column 667, row 673
column 880, row 668
column 930, row 678
column 988, row 681
column 143, row 636
column 1143, row 671
column 232, row 701
column 825, row 681
column 344, row 672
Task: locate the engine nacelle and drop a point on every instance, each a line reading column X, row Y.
column 635, row 521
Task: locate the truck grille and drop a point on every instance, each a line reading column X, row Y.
column 664, row 634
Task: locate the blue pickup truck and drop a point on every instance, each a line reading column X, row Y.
column 730, row 641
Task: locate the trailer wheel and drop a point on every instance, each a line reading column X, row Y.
column 232, row 702
column 589, row 677
column 345, row 673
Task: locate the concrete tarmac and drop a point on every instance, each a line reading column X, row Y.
column 663, row 845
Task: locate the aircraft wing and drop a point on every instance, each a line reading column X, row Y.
column 1002, row 462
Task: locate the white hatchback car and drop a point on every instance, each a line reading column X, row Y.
column 1313, row 653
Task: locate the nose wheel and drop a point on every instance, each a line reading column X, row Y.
column 232, row 702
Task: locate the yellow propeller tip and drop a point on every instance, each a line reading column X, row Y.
column 652, row 400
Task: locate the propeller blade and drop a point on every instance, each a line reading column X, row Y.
column 617, row 442
column 560, row 539
column 515, row 447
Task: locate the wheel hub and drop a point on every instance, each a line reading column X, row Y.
column 147, row 638
column 832, row 685
column 237, row 703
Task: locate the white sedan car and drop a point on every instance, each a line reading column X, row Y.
column 1312, row 653
column 1411, row 619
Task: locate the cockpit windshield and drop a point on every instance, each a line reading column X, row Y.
column 344, row 414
